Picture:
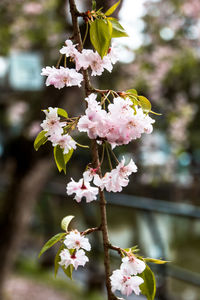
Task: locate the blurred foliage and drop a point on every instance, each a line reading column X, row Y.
column 166, row 68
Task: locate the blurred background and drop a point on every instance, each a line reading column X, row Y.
column 160, row 209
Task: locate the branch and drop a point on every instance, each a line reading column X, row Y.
column 118, row 249
column 95, row 157
column 90, row 230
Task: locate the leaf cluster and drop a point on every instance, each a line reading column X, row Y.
column 54, row 240
column 103, row 28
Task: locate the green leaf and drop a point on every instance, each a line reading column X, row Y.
column 132, row 249
column 112, row 9
column 94, row 4
column 59, row 159
column 65, row 222
column 56, row 238
column 57, row 259
column 153, row 112
column 61, row 112
column 100, row 35
column 68, row 271
column 132, row 91
column 117, row 29
column 40, row 140
column 144, row 103
column 155, row 261
column 148, row 288
column 68, row 156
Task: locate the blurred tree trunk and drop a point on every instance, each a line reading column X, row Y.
column 20, row 199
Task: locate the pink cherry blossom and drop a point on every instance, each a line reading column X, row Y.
column 69, row 50
column 64, row 141
column 74, row 240
column 62, row 77
column 132, row 265
column 83, row 59
column 52, row 124
column 82, row 189
column 94, row 121
column 78, row 258
column 89, row 174
column 90, row 59
column 48, row 71
column 119, row 126
column 113, row 54
column 125, row 284
column 116, row 179
column 130, row 124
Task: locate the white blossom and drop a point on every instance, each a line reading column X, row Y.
column 132, row 265
column 52, row 124
column 70, row 49
column 65, row 142
column 124, row 283
column 116, row 179
column 82, row 189
column 74, row 240
column 78, row 258
column 62, row 77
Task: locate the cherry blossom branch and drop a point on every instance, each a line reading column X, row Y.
column 117, row 93
column 95, row 157
column 91, row 230
column 118, row 249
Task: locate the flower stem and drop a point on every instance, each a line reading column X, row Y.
column 108, row 155
column 86, row 33
column 59, row 61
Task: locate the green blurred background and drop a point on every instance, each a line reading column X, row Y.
column 160, row 209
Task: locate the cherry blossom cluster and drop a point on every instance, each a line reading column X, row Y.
column 55, row 132
column 87, row 58
column 120, row 125
column 74, row 254
column 125, row 279
column 62, row 76
column 112, row 181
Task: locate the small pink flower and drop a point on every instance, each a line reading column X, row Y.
column 52, row 124
column 126, row 284
column 69, row 50
column 119, row 126
column 132, row 265
column 74, row 240
column 82, row 189
column 89, row 174
column 116, row 179
column 64, row 141
column 78, row 258
column 62, row 77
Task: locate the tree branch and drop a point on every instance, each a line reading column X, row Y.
column 90, row 230
column 95, row 157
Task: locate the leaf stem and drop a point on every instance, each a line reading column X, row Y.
column 102, row 155
column 65, row 61
column 59, row 60
column 108, row 156
column 113, row 154
column 86, row 33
